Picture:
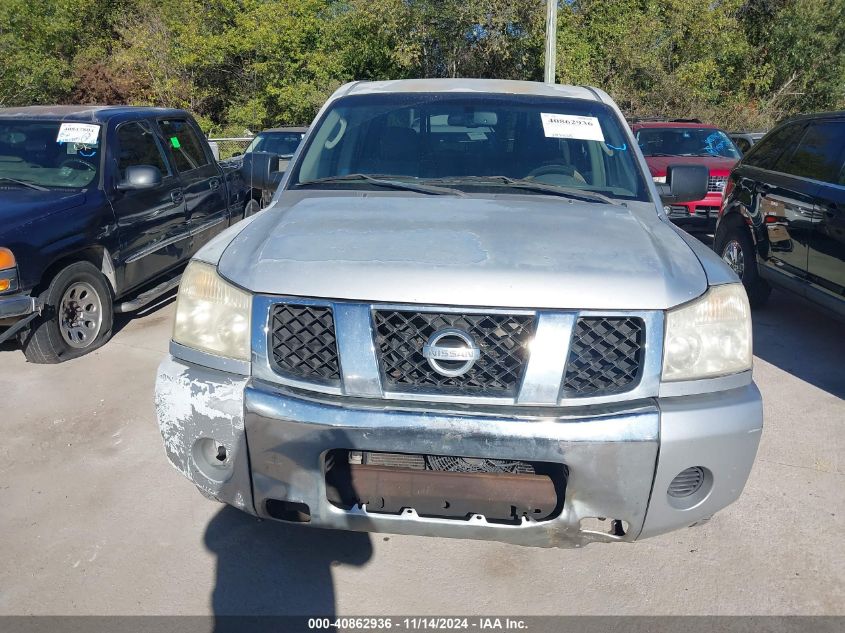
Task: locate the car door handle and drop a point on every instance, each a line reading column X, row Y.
column 214, row 183
column 177, row 196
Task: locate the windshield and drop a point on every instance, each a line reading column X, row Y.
column 284, row 143
column 49, row 153
column 686, row 141
column 472, row 142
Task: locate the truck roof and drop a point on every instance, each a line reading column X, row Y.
column 286, row 128
column 672, row 124
column 91, row 113
column 500, row 86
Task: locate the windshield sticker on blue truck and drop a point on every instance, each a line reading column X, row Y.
column 174, row 142
column 583, row 128
column 85, row 133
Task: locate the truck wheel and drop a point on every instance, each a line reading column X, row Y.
column 736, row 249
column 76, row 318
column 252, row 207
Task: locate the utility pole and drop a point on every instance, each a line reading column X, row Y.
column 551, row 40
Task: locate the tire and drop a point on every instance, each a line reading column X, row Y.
column 736, row 249
column 251, row 208
column 53, row 337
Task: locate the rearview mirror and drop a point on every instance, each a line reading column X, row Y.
column 140, row 177
column 261, row 170
column 684, row 183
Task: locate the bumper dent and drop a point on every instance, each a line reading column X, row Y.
column 611, row 453
column 198, row 409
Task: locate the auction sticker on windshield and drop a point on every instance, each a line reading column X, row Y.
column 583, row 128
column 86, row 133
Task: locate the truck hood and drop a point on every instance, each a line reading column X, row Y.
column 503, row 251
column 717, row 165
column 20, row 205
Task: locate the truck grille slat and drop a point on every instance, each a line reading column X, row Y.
column 716, row 184
column 303, row 341
column 605, row 356
column 502, row 338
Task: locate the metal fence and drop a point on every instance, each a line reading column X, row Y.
column 224, row 148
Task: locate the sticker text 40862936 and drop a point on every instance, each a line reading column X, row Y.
column 584, row 128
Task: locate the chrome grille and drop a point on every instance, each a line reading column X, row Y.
column 302, row 339
column 716, row 184
column 605, row 356
column 502, row 339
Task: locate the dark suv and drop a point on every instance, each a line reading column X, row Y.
column 782, row 221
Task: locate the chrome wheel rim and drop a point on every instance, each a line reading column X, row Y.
column 732, row 254
column 80, row 315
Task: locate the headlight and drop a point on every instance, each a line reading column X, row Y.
column 659, row 179
column 211, row 314
column 710, row 336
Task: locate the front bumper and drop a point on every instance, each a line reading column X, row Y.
column 700, row 215
column 620, row 458
column 13, row 306
column 16, row 311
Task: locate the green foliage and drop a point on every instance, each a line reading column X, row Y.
column 246, row 64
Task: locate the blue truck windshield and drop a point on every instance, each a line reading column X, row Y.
column 49, row 153
column 469, row 140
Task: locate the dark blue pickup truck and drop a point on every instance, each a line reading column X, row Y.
column 100, row 208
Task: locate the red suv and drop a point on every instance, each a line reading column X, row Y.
column 689, row 141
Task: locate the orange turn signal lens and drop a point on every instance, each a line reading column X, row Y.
column 7, row 260
column 5, row 284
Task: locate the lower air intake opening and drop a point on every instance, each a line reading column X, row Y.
column 443, row 486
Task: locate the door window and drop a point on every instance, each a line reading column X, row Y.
column 137, row 145
column 185, row 147
column 766, row 153
column 819, row 154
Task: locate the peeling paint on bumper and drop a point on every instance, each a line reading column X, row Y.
column 197, row 407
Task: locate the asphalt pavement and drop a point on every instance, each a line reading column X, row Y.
column 95, row 521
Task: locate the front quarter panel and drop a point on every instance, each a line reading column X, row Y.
column 47, row 239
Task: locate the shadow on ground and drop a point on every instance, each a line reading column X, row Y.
column 269, row 568
column 794, row 336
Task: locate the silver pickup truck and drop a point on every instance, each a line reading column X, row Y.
column 465, row 314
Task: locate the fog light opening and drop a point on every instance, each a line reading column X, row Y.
column 212, row 459
column 687, row 482
column 689, row 487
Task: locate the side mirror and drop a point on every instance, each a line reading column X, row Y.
column 260, row 170
column 684, row 183
column 140, row 177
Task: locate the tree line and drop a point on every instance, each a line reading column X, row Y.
column 246, row 64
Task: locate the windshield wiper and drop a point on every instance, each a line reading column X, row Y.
column 533, row 185
column 24, row 183
column 385, row 181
